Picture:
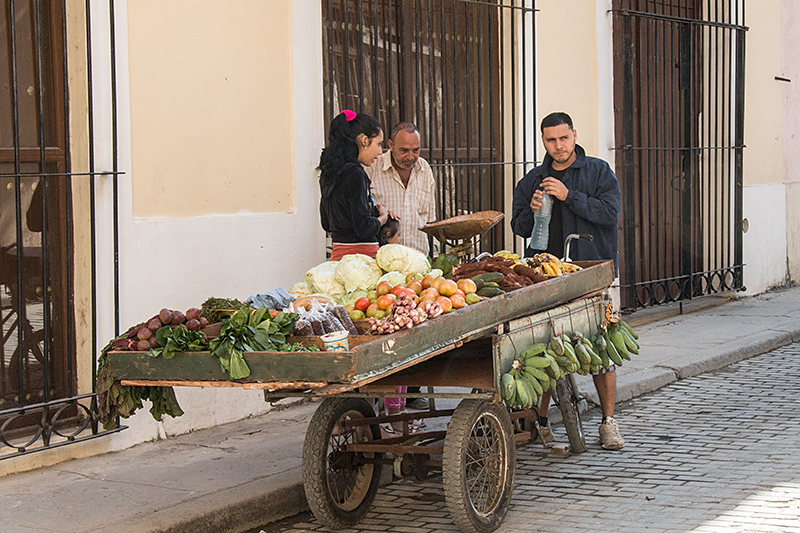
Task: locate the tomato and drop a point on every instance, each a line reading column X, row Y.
column 355, row 314
column 384, row 287
column 447, row 287
column 467, row 286
column 372, row 310
column 397, row 289
column 384, row 301
column 458, row 301
column 446, row 303
column 415, row 286
column 362, row 303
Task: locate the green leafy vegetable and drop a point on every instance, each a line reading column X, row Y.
column 173, row 340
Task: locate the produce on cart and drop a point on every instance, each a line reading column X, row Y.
column 492, row 323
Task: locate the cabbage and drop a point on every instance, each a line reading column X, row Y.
column 396, row 257
column 351, row 297
column 436, row 272
column 394, row 278
column 300, row 289
column 358, row 271
column 321, row 279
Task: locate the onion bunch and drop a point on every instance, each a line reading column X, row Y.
column 405, row 315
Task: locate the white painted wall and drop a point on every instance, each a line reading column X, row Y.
column 765, row 241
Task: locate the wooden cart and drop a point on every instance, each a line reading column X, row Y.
column 468, row 349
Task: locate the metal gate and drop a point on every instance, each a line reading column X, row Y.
column 679, row 109
column 42, row 404
column 461, row 70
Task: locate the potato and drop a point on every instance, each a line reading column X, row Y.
column 143, row 346
column 165, row 315
column 193, row 313
column 178, row 318
column 144, row 334
column 154, row 324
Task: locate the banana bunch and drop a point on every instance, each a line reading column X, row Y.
column 617, row 343
column 505, row 254
column 540, row 365
column 531, row 374
column 551, row 266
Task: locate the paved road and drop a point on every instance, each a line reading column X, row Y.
column 719, row 452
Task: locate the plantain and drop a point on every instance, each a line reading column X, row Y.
column 536, row 362
column 582, row 354
column 630, row 342
column 532, row 350
column 535, row 373
column 523, row 394
column 629, row 329
column 507, row 386
column 570, row 267
column 554, row 370
column 557, row 344
column 604, row 360
column 550, row 269
column 569, row 352
column 619, row 343
column 534, row 385
column 552, row 384
column 612, row 352
column 592, row 353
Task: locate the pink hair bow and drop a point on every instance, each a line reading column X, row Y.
column 349, row 115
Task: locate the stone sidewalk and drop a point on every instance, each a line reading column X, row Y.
column 239, row 476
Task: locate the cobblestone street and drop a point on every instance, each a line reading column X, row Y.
column 718, row 452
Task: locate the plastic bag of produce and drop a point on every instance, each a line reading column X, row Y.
column 358, row 271
column 321, row 279
column 396, row 257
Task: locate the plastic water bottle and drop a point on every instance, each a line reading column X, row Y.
column 541, row 224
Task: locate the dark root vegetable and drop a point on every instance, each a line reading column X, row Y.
column 144, row 334
column 153, row 342
column 165, row 316
column 154, row 324
column 203, row 321
column 193, row 325
column 193, row 313
column 143, row 346
column 178, row 318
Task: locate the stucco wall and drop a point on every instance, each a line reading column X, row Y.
column 765, row 244
column 790, row 112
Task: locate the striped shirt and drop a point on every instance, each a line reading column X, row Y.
column 415, row 204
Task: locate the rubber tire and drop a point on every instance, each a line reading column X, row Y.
column 568, row 405
column 320, row 475
column 464, row 428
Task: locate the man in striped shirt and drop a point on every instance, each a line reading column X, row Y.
column 404, row 183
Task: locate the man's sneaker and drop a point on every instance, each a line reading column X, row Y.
column 417, row 403
column 610, row 439
column 543, row 432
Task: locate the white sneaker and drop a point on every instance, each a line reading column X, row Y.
column 610, row 439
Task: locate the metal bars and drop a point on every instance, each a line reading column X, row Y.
column 461, row 70
column 679, row 112
column 40, row 404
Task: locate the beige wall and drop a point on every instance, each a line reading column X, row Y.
column 211, row 107
column 790, row 92
column 763, row 159
column 566, row 57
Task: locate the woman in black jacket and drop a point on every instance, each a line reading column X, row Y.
column 347, row 209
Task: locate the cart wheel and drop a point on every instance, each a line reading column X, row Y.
column 339, row 486
column 568, row 405
column 478, row 465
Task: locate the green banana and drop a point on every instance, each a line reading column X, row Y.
column 619, row 343
column 507, row 386
column 592, row 354
column 556, row 344
column 533, row 350
column 604, row 360
column 583, row 355
column 569, row 352
column 630, row 342
column 552, row 384
column 629, row 329
column 536, row 362
column 554, row 369
column 536, row 373
column 523, row 394
column 611, row 350
column 534, row 385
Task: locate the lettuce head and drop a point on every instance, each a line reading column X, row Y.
column 358, row 271
column 396, row 257
column 322, row 279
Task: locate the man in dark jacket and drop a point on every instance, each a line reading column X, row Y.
column 586, row 199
